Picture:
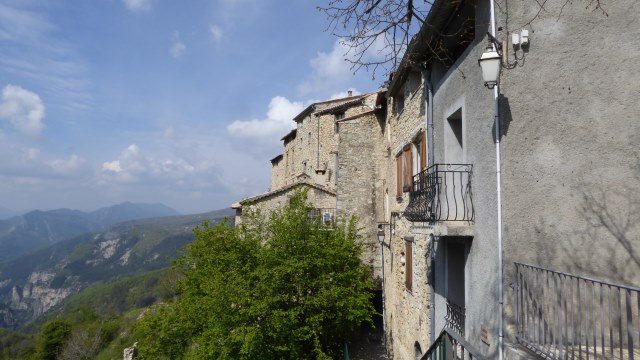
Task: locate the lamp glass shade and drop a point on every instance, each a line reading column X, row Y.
column 381, row 235
column 490, row 66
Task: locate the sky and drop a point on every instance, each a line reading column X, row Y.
column 178, row 102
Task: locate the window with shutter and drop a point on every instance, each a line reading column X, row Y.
column 407, row 179
column 423, row 151
column 399, row 175
column 408, row 270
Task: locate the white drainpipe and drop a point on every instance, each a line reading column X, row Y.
column 496, row 91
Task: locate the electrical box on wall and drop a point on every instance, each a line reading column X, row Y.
column 524, row 37
column 515, row 39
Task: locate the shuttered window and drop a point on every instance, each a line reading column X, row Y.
column 407, row 164
column 408, row 270
column 423, row 151
column 399, row 160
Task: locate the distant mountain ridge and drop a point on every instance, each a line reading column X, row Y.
column 36, row 229
column 35, row 283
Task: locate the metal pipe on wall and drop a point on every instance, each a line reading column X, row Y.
column 496, row 92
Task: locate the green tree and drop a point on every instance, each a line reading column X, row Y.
column 52, row 338
column 285, row 288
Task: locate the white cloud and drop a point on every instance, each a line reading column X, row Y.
column 137, row 5
column 17, row 161
column 133, row 166
column 216, row 32
column 23, row 109
column 328, row 71
column 113, row 166
column 67, row 166
column 278, row 122
column 177, row 48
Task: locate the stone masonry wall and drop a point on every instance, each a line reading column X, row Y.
column 407, row 311
column 359, row 158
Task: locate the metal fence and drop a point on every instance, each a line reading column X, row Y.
column 455, row 317
column 450, row 345
column 323, row 216
column 442, row 192
column 564, row 316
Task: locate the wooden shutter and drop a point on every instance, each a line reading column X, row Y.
column 423, row 151
column 408, row 169
column 399, row 175
column 408, row 271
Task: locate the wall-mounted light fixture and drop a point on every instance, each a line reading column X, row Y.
column 490, row 62
column 381, row 234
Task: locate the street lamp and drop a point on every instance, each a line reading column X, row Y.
column 490, row 62
column 381, row 235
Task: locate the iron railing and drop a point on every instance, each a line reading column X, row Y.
column 450, row 345
column 455, row 317
column 322, row 216
column 442, row 192
column 564, row 316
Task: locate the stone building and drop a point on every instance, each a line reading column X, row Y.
column 515, row 209
column 335, row 152
column 510, row 214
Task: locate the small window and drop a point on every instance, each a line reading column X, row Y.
column 419, row 153
column 407, row 171
column 399, row 175
column 398, row 102
column 339, row 116
column 408, row 263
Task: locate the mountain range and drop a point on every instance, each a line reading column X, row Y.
column 36, row 229
column 34, row 283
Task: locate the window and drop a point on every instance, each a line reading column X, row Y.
column 407, row 171
column 406, row 162
column 398, row 102
column 419, row 153
column 408, row 263
column 399, row 175
column 339, row 116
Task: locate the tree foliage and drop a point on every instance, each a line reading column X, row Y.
column 52, row 338
column 284, row 288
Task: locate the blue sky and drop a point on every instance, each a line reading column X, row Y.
column 179, row 102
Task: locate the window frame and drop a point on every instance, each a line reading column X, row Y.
column 408, row 263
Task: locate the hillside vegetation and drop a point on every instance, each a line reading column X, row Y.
column 36, row 283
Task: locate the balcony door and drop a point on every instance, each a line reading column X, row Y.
column 456, row 251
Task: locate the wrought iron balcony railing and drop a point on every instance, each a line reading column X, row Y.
column 455, row 317
column 564, row 316
column 442, row 192
column 451, row 346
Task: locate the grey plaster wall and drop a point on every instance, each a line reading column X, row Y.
column 570, row 140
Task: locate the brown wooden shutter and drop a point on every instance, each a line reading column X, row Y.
column 408, row 169
column 423, row 151
column 399, row 175
column 408, row 264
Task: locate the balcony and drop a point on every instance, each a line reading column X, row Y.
column 442, row 192
column 565, row 316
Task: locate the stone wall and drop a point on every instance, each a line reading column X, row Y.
column 407, row 310
column 360, row 156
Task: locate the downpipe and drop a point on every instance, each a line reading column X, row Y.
column 496, row 92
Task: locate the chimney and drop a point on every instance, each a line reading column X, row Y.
column 349, row 93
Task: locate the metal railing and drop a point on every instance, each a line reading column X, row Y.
column 455, row 317
column 322, row 216
column 564, row 316
column 442, row 192
column 450, row 345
